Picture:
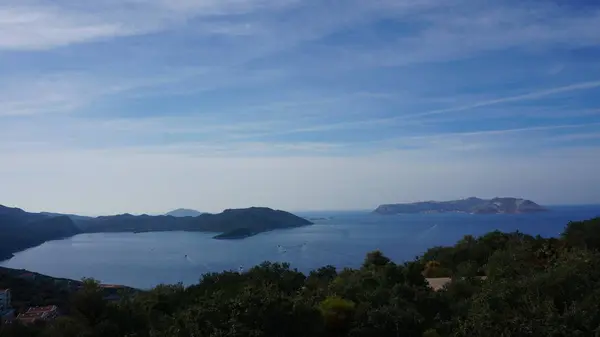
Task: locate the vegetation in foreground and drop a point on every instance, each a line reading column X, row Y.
column 533, row 287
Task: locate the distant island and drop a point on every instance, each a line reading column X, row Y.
column 183, row 212
column 470, row 205
column 20, row 230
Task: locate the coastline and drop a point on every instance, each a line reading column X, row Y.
column 10, row 256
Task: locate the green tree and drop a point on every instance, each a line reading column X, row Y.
column 337, row 315
column 89, row 304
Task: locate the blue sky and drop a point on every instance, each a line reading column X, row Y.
column 145, row 105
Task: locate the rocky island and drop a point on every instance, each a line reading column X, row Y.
column 471, row 205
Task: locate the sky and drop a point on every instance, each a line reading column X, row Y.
column 143, row 106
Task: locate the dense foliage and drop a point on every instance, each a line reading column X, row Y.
column 532, row 287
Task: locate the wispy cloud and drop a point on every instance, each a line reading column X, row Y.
column 38, row 25
column 465, row 29
column 508, row 131
column 433, row 95
column 518, row 98
column 406, row 117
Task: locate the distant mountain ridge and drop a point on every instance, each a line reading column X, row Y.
column 473, row 205
column 183, row 212
column 20, row 230
column 73, row 217
column 257, row 219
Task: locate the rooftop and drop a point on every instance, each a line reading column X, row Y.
column 38, row 313
column 41, row 310
column 438, row 283
column 30, row 318
column 27, row 320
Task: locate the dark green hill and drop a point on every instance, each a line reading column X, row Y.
column 20, row 230
column 236, row 234
column 257, row 219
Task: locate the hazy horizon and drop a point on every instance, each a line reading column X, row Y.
column 136, row 106
column 304, row 211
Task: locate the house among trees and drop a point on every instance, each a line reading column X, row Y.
column 111, row 292
column 34, row 314
column 27, row 276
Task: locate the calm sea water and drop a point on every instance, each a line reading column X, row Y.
column 147, row 259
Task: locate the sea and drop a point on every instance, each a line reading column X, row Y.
column 341, row 239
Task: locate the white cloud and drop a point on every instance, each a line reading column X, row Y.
column 26, row 28
column 534, row 95
column 207, row 161
column 73, row 91
column 411, row 119
column 216, row 7
column 39, row 25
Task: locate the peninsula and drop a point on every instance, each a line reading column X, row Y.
column 236, row 234
column 470, row 205
column 21, row 230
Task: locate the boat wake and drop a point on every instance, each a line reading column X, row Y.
column 428, row 232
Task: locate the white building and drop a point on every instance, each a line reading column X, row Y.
column 5, row 300
column 7, row 313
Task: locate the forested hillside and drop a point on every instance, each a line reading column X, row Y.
column 21, row 230
column 532, row 287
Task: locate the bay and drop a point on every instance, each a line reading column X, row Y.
column 342, row 239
